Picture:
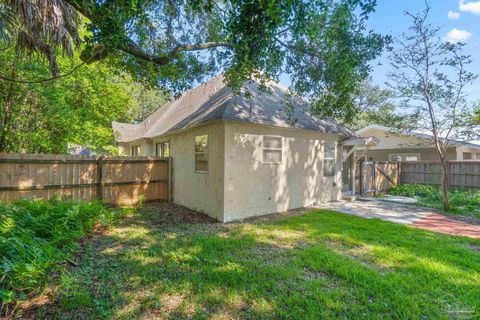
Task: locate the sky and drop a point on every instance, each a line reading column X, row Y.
column 459, row 20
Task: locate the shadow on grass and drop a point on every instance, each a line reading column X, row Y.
column 316, row 265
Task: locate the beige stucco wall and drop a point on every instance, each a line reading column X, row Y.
column 425, row 154
column 146, row 147
column 253, row 188
column 238, row 183
column 199, row 191
column 395, row 143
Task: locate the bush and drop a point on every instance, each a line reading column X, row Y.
column 464, row 202
column 36, row 237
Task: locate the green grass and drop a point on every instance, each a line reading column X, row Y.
column 319, row 265
column 462, row 202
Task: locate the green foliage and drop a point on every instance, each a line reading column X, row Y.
column 375, row 106
column 78, row 109
column 37, row 237
column 463, row 202
column 323, row 45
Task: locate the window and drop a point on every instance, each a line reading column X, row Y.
column 162, row 149
column 411, row 158
column 329, row 153
column 396, row 157
column 272, row 149
column 478, row 156
column 135, row 151
column 404, row 157
column 201, row 153
column 467, row 156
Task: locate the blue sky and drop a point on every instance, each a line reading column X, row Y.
column 464, row 16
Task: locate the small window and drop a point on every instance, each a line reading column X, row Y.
column 396, row 157
column 162, row 149
column 404, row 157
column 135, row 151
column 272, row 149
column 411, row 158
column 478, row 156
column 329, row 154
column 467, row 156
column 201, row 153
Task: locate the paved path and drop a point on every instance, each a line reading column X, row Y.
column 419, row 217
column 443, row 224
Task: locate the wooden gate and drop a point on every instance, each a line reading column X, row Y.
column 377, row 176
column 116, row 180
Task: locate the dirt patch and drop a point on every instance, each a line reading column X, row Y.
column 474, row 248
column 277, row 215
column 170, row 214
column 466, row 219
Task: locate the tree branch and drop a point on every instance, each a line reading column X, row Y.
column 45, row 79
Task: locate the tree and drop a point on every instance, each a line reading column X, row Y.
column 323, row 45
column 375, row 106
column 430, row 76
column 47, row 117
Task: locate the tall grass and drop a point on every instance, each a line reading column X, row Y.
column 36, row 237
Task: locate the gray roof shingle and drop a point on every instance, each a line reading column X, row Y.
column 213, row 100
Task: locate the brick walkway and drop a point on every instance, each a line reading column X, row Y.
column 419, row 217
column 443, row 224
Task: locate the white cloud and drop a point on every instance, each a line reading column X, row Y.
column 471, row 7
column 453, row 15
column 455, row 36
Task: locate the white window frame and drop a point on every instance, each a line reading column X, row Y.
column 334, row 158
column 139, row 150
column 200, row 152
column 264, row 148
column 404, row 156
column 472, row 156
column 162, row 151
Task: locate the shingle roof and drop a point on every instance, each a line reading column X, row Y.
column 213, row 100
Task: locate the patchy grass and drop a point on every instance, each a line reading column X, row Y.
column 462, row 202
column 316, row 265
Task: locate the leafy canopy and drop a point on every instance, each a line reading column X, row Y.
column 78, row 109
column 323, row 45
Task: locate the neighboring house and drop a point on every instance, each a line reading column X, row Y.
column 397, row 145
column 236, row 156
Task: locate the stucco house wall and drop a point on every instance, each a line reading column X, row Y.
column 255, row 188
column 238, row 183
column 425, row 154
column 395, row 143
column 200, row 191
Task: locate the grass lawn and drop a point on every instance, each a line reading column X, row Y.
column 462, row 202
column 315, row 265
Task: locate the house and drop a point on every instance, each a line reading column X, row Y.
column 395, row 145
column 236, row 156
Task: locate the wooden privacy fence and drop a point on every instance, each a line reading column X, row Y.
column 115, row 180
column 461, row 174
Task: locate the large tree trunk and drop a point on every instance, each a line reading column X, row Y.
column 445, row 184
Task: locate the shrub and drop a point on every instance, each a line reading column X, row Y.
column 414, row 190
column 464, row 202
column 36, row 237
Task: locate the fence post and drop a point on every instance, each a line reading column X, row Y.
column 399, row 172
column 170, row 179
column 100, row 177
